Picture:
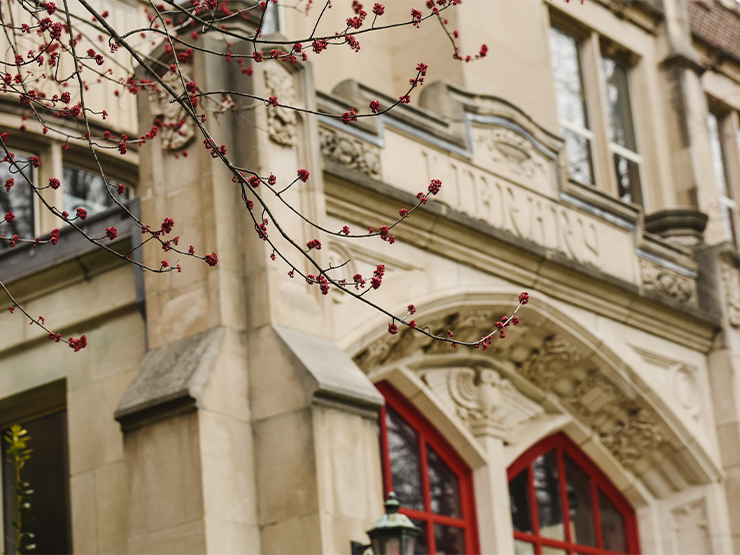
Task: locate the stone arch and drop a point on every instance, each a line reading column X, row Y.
column 550, row 361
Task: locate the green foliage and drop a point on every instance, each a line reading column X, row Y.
column 18, row 454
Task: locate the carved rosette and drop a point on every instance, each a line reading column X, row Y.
column 281, row 121
column 175, row 127
column 668, row 283
column 731, row 284
column 352, row 153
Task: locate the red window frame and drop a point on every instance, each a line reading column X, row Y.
column 428, row 435
column 599, row 482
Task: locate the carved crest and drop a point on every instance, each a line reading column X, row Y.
column 632, row 438
column 350, row 152
column 510, row 149
column 175, row 127
column 667, row 282
column 281, row 121
column 731, row 284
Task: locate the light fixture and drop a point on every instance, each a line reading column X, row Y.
column 393, row 534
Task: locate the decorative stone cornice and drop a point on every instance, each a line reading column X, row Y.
column 176, row 129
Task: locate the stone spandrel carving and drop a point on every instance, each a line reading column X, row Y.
column 176, row 128
column 667, row 282
column 281, row 122
column 552, row 360
column 731, row 285
column 631, row 439
column 350, row 152
column 508, row 149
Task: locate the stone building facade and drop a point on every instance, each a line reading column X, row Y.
column 591, row 159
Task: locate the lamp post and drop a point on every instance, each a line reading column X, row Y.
column 393, row 534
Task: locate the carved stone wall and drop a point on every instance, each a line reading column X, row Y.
column 691, row 529
column 350, row 152
column 281, row 122
column 667, row 283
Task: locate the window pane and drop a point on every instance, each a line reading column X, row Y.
column 403, row 451
column 628, row 180
column 579, row 157
column 19, row 201
column 612, row 525
column 547, row 550
column 579, row 504
column 449, row 540
column 618, row 104
column 523, row 548
column 443, row 486
column 83, row 189
column 547, row 490
column 717, row 145
column 519, row 501
column 47, row 472
column 568, row 83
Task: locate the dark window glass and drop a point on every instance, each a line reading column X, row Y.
column 443, row 486
column 403, row 450
column 421, row 547
column 612, row 525
column 619, row 109
column 547, row 492
column 570, row 97
column 48, row 474
column 519, row 499
column 19, row 201
column 568, row 83
column 449, row 540
column 83, row 189
column 580, row 505
column 628, row 180
column 719, row 160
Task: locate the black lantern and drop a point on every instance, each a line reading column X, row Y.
column 393, row 534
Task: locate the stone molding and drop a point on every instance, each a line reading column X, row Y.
column 176, row 129
column 350, row 152
column 281, row 121
column 668, row 283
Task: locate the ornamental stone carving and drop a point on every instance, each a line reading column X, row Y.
column 691, row 528
column 594, row 399
column 352, row 153
column 668, row 283
column 175, row 127
column 281, row 121
column 549, row 362
column 634, row 437
column 731, row 285
column 507, row 148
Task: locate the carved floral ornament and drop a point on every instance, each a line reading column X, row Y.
column 731, row 285
column 668, row 283
column 281, row 121
column 486, row 402
column 508, row 148
column 350, row 152
column 176, row 128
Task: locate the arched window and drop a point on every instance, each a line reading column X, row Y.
column 554, row 474
column 432, row 483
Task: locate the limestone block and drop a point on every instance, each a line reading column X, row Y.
column 286, row 467
column 84, row 512
column 179, row 540
column 164, row 470
column 298, row 535
column 111, row 504
column 95, row 438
